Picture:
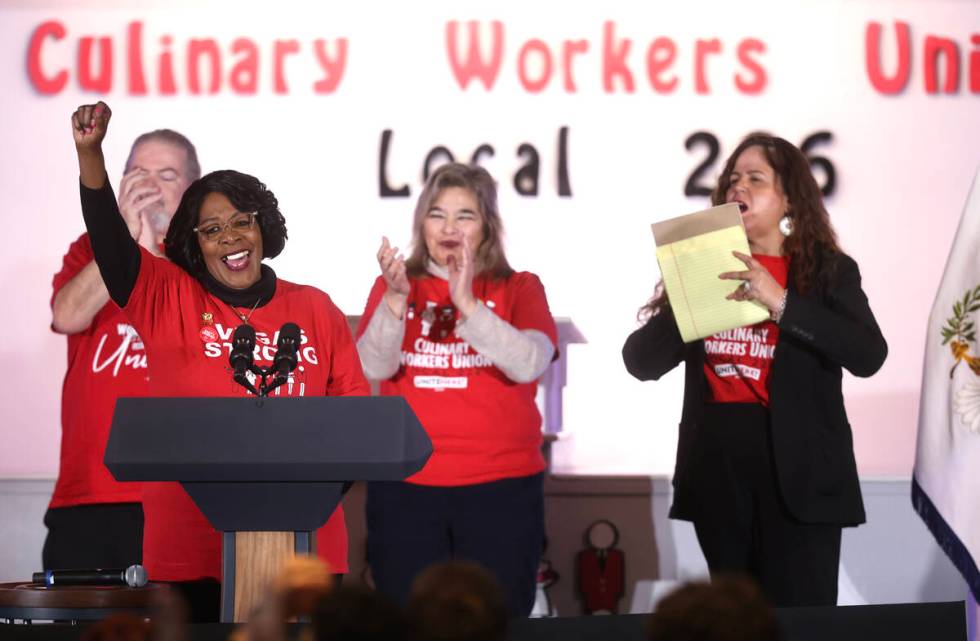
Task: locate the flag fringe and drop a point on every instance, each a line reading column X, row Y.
column 947, row 539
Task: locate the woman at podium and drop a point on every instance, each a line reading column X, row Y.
column 765, row 463
column 464, row 338
column 186, row 310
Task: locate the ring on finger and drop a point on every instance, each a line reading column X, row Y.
column 746, row 287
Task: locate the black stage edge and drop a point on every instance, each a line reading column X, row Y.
column 904, row 622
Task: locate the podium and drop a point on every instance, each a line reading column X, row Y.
column 276, row 466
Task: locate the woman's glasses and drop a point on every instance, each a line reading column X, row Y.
column 239, row 224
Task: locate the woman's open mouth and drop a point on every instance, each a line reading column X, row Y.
column 238, row 261
column 742, row 207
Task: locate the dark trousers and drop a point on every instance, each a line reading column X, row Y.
column 87, row 537
column 499, row 525
column 745, row 527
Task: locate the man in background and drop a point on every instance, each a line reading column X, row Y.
column 93, row 520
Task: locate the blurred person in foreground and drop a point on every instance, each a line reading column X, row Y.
column 457, row 601
column 726, row 609
column 357, row 613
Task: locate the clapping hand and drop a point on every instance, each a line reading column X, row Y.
column 135, row 194
column 461, row 272
column 396, row 278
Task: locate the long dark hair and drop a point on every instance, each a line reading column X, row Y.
column 813, row 239
column 246, row 193
column 490, row 258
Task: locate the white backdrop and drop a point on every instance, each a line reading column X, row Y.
column 903, row 164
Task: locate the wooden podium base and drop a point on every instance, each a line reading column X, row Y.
column 252, row 561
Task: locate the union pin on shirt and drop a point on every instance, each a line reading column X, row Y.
column 208, row 333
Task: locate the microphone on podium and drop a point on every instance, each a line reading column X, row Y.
column 286, row 359
column 134, row 576
column 241, row 357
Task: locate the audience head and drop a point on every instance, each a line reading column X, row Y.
column 357, row 613
column 457, row 601
column 458, row 204
column 727, row 609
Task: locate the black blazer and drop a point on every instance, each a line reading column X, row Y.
column 829, row 328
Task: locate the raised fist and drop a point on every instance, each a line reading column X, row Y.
column 89, row 124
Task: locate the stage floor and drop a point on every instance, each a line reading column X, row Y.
column 899, row 622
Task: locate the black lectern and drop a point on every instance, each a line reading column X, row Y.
column 264, row 464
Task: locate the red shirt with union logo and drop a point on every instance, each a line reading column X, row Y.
column 483, row 426
column 105, row 361
column 737, row 362
column 169, row 309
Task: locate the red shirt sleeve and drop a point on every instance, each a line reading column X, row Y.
column 531, row 307
column 79, row 255
column 155, row 296
column 377, row 291
column 346, row 375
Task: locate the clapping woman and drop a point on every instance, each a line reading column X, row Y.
column 464, row 338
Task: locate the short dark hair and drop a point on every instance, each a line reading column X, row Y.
column 246, row 193
column 177, row 139
column 726, row 609
column 457, row 601
column 357, row 613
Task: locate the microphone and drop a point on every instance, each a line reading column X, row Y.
column 240, row 359
column 285, row 359
column 134, row 576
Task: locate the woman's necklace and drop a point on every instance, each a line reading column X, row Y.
column 244, row 317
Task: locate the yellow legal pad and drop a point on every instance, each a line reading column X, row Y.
column 692, row 250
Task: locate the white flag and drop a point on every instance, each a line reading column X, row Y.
column 946, row 480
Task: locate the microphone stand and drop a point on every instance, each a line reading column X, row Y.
column 283, row 364
column 264, row 374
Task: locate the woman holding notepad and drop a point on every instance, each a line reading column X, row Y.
column 765, row 463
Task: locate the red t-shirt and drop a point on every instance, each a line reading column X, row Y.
column 105, row 361
column 168, row 307
column 737, row 362
column 483, row 426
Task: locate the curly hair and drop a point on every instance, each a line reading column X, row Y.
column 490, row 258
column 813, row 239
column 246, row 193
